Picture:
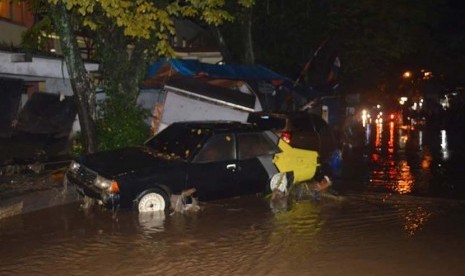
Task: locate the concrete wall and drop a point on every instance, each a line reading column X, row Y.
column 52, row 71
column 10, row 33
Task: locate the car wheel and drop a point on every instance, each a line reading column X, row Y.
column 279, row 181
column 152, row 201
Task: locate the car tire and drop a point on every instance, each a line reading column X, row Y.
column 152, row 201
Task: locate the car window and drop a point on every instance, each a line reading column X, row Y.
column 267, row 121
column 177, row 141
column 218, row 148
column 255, row 144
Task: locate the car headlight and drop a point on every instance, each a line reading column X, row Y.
column 102, row 182
column 107, row 185
column 74, row 166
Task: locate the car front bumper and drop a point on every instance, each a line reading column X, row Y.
column 83, row 183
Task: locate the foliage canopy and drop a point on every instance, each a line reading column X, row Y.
column 127, row 36
column 142, row 19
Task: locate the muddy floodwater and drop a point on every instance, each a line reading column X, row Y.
column 396, row 208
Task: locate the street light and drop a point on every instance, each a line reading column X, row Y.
column 402, row 100
column 407, row 75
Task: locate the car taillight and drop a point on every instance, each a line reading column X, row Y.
column 286, row 136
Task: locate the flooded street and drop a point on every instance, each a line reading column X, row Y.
column 398, row 208
column 409, row 160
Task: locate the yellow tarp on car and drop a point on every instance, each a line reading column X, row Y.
column 303, row 163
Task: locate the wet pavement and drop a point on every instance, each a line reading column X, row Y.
column 397, row 208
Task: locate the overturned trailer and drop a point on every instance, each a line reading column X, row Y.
column 193, row 100
column 188, row 90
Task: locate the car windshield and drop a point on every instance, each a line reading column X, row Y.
column 177, row 142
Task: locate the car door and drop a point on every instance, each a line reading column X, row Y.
column 255, row 161
column 213, row 170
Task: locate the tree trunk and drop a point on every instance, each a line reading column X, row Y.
column 138, row 64
column 227, row 58
column 249, row 56
column 84, row 95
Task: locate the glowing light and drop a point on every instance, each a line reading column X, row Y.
column 407, row 74
column 427, row 75
column 402, row 100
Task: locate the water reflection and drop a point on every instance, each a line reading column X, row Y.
column 378, row 136
column 391, row 138
column 426, row 160
column 403, row 138
column 415, row 220
column 420, row 139
column 367, row 134
column 444, row 145
column 420, row 161
column 405, row 179
column 388, row 171
column 242, row 236
column 152, row 222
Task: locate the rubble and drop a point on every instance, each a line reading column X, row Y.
column 28, row 192
column 184, row 202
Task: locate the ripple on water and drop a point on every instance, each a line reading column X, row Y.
column 238, row 237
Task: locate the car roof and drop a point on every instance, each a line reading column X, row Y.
column 285, row 114
column 287, row 118
column 219, row 126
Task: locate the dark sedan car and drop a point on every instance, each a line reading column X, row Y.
column 300, row 129
column 216, row 159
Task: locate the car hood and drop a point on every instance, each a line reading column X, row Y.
column 123, row 161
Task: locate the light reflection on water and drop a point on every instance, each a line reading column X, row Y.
column 410, row 161
column 388, row 172
column 241, row 236
column 415, row 220
column 444, row 145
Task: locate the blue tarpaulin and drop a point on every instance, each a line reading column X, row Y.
column 192, row 68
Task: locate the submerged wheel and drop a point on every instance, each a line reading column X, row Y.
column 279, row 181
column 152, row 201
